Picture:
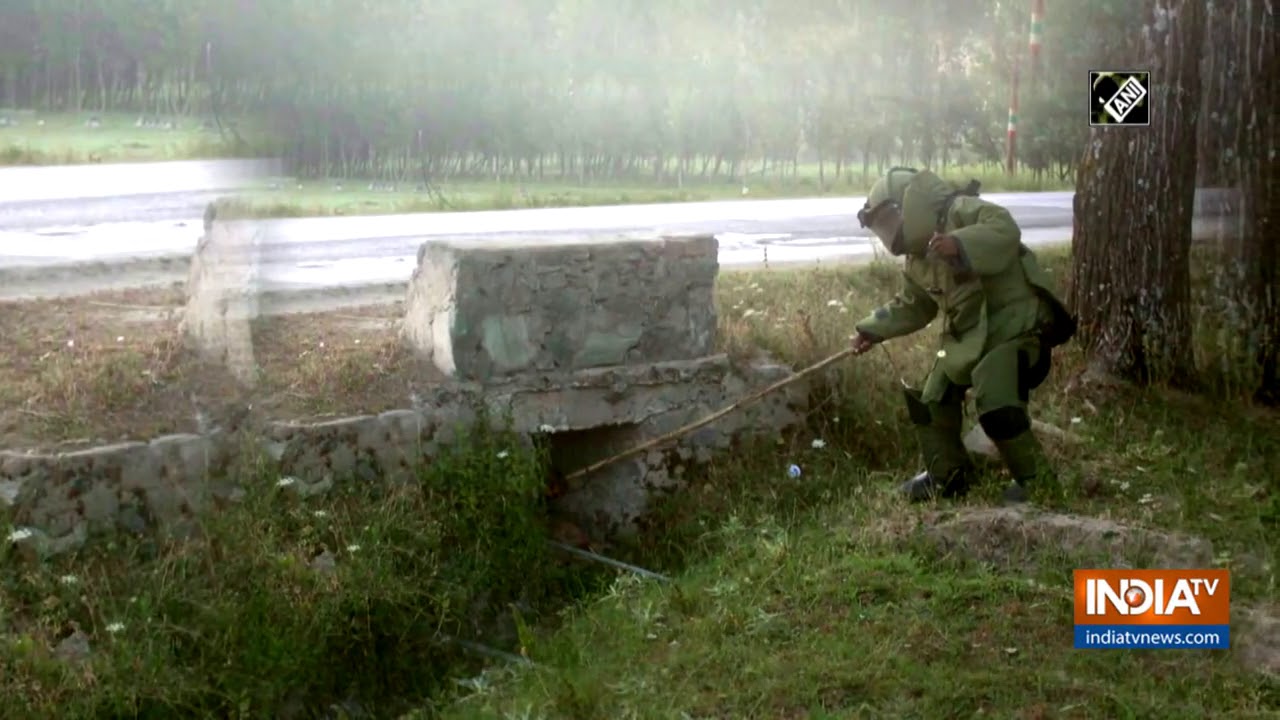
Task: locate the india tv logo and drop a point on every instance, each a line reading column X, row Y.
column 1153, row 609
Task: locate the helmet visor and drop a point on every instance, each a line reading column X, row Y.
column 885, row 221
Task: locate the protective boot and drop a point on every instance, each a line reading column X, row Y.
column 947, row 467
column 1027, row 463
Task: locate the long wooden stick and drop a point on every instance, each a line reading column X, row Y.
column 682, row 431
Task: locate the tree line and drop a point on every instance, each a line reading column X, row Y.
column 582, row 89
column 679, row 90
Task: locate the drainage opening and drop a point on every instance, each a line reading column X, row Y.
column 571, row 450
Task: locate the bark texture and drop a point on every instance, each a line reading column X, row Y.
column 1135, row 193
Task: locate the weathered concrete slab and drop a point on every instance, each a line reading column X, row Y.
column 482, row 309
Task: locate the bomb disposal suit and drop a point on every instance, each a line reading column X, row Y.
column 965, row 262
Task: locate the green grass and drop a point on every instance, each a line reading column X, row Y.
column 239, row 617
column 361, row 197
column 67, row 139
column 825, row 597
column 819, row 597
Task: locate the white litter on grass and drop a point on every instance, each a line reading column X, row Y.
column 818, row 443
column 793, row 471
column 286, row 481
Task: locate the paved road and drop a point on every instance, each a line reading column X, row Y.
column 320, row 252
column 51, row 244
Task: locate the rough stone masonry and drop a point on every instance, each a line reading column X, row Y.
column 482, row 309
column 598, row 344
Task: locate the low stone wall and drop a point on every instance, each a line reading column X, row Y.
column 58, row 501
column 600, row 344
column 481, row 309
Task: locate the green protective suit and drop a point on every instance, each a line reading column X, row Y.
column 1000, row 320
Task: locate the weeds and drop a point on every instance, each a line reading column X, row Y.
column 823, row 596
column 818, row 595
column 278, row 606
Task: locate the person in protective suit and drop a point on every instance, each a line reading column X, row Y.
column 1001, row 320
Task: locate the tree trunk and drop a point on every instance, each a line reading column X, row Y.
column 1258, row 133
column 1133, row 208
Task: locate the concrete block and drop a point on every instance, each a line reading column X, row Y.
column 222, row 295
column 483, row 309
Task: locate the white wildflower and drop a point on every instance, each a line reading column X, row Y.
column 321, row 343
column 1146, row 499
column 353, row 548
column 834, row 303
column 1077, row 420
column 751, row 312
column 115, row 628
column 818, row 443
column 321, row 514
column 68, row 579
column 502, row 454
column 286, row 481
column 1124, row 486
column 357, row 341
column 545, row 428
column 20, row 534
column 942, row 353
column 71, row 343
column 119, row 338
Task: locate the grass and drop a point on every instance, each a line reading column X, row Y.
column 30, row 138
column 114, row 366
column 356, row 197
column 280, row 606
column 825, row 597
column 66, row 138
column 816, row 597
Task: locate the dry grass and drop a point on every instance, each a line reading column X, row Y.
column 112, row 366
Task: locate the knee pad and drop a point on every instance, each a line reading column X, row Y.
column 1005, row 423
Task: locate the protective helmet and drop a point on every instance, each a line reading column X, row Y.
column 882, row 212
column 903, row 208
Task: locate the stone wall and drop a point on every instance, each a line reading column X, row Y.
column 486, row 308
column 58, row 501
column 600, row 344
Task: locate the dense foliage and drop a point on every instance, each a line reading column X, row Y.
column 576, row 88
